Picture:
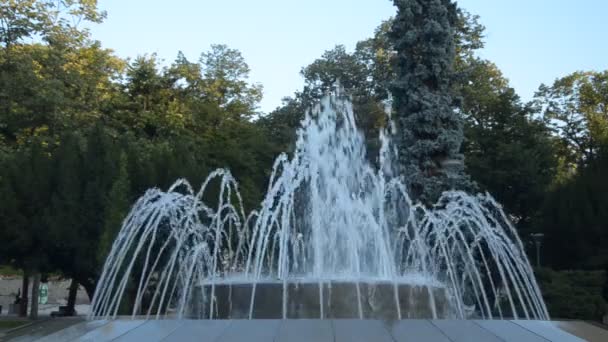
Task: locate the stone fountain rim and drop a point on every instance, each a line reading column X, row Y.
column 325, row 281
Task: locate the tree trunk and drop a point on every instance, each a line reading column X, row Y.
column 24, row 297
column 89, row 287
column 35, row 291
column 72, row 295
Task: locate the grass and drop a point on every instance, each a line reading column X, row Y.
column 9, row 271
column 6, row 270
column 10, row 324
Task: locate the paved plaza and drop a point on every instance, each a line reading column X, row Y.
column 74, row 329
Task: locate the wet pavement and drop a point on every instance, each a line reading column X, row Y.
column 335, row 330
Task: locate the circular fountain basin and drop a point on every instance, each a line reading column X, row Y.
column 323, row 299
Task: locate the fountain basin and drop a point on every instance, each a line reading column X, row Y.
column 327, row 299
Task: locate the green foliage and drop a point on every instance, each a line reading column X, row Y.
column 574, row 219
column 53, row 21
column 576, row 107
column 377, row 54
column 353, row 73
column 84, row 133
column 334, row 66
column 9, row 271
column 282, row 123
column 225, row 82
column 25, row 186
column 508, row 153
column 573, row 294
column 118, row 202
column 46, row 89
column 49, row 68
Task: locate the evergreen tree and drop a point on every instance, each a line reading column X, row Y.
column 429, row 129
column 574, row 219
column 117, row 207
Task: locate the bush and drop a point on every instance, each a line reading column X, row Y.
column 573, row 294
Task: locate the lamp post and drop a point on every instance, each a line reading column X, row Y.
column 537, row 237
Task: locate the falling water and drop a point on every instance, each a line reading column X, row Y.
column 330, row 219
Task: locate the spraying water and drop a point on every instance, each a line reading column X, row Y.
column 329, row 222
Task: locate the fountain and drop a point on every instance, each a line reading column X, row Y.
column 334, row 237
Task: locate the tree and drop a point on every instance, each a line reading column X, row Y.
column 60, row 79
column 605, row 285
column 334, row 66
column 83, row 133
column 26, row 189
column 144, row 82
column 281, row 124
column 225, row 74
column 353, row 74
column 377, row 54
column 429, row 130
column 116, row 208
column 48, row 20
column 366, row 74
column 65, row 215
column 574, row 217
column 85, row 166
column 509, row 153
column 576, row 106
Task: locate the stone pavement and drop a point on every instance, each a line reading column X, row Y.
column 67, row 329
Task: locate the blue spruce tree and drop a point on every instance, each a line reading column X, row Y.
column 429, row 127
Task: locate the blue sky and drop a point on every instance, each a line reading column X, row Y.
column 532, row 41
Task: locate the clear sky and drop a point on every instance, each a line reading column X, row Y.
column 532, row 41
